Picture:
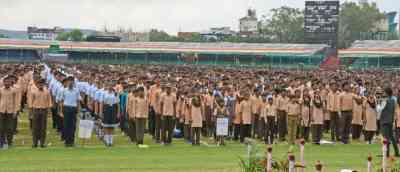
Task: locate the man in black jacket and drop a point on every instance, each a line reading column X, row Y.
column 386, row 121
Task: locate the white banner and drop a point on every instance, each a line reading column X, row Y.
column 85, row 129
column 222, row 126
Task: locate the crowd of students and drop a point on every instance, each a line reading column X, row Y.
column 273, row 105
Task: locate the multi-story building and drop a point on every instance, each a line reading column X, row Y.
column 36, row 33
column 248, row 25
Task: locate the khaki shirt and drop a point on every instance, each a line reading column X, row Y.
column 245, row 111
column 8, row 101
column 41, row 99
column 346, row 101
column 293, row 109
column 141, row 108
column 333, row 101
column 168, row 102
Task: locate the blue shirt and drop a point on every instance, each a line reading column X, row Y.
column 70, row 97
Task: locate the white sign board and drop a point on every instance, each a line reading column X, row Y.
column 85, row 129
column 222, row 126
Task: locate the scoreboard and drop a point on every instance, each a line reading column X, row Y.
column 321, row 21
column 321, row 16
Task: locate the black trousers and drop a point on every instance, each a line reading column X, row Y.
column 39, row 126
column 369, row 135
column 69, row 125
column 167, row 129
column 6, row 129
column 305, row 133
column 236, row 131
column 187, row 132
column 269, row 130
column 245, row 131
column 387, row 132
column 316, row 133
column 254, row 125
column 132, row 130
column 334, row 125
column 196, row 132
column 282, row 125
column 260, row 128
column 151, row 121
column 140, row 126
column 157, row 128
column 54, row 116
column 345, row 125
column 356, row 131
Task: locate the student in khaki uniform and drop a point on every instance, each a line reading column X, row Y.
column 317, row 118
column 168, row 105
column 237, row 119
column 282, row 102
column 245, row 113
column 256, row 102
column 356, row 123
column 293, row 116
column 346, row 112
column 270, row 120
column 141, row 114
column 196, row 119
column 41, row 104
column 220, row 111
column 397, row 118
column 333, row 110
column 7, row 112
column 130, row 108
column 209, row 126
column 156, row 103
column 369, row 118
column 186, row 116
column 305, row 117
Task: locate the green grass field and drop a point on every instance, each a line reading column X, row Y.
column 179, row 157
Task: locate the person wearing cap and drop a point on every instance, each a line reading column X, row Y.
column 70, row 101
column 8, row 110
column 333, row 103
column 168, row 109
column 269, row 113
column 346, row 100
column 110, row 113
column 41, row 104
column 141, row 114
column 293, row 116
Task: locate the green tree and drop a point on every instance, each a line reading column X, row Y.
column 63, row 36
column 159, row 36
column 286, row 25
column 355, row 19
column 76, row 35
column 3, row 36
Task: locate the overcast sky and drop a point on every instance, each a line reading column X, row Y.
column 169, row 15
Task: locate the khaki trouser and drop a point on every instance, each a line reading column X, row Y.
column 292, row 122
column 140, row 125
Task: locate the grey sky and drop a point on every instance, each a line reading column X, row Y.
column 170, row 15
